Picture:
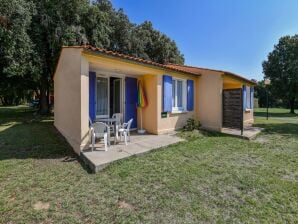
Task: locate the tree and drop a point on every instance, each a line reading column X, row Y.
column 261, row 91
column 97, row 23
column 32, row 33
column 15, row 50
column 55, row 23
column 281, row 67
column 121, row 29
column 148, row 43
column 260, row 94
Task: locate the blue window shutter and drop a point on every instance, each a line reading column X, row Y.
column 244, row 97
column 190, row 95
column 131, row 99
column 167, row 93
column 251, row 97
column 92, row 81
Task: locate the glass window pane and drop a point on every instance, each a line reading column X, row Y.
column 248, row 97
column 179, row 93
column 173, row 93
column 102, row 96
column 116, row 96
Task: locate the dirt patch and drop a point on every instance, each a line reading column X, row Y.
column 290, row 177
column 125, row 205
column 261, row 139
column 41, row 205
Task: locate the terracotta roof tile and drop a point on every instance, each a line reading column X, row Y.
column 174, row 67
column 127, row 57
column 199, row 70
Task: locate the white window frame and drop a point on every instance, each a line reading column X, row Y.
column 108, row 76
column 108, row 89
column 175, row 108
column 248, row 97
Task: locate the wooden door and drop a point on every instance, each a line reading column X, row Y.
column 232, row 108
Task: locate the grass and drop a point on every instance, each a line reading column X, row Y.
column 275, row 112
column 209, row 178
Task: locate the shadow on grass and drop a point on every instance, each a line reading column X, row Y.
column 287, row 129
column 24, row 135
column 280, row 128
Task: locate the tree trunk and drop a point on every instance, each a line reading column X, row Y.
column 7, row 101
column 43, row 102
column 292, row 105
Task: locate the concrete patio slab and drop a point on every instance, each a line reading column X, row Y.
column 249, row 132
column 139, row 144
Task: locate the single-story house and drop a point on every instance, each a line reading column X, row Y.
column 94, row 83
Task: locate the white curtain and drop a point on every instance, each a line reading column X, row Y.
column 102, row 100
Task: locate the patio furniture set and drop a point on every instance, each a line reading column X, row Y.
column 104, row 128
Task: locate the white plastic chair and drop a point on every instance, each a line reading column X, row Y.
column 119, row 119
column 99, row 130
column 125, row 131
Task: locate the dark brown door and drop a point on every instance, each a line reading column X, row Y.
column 232, row 108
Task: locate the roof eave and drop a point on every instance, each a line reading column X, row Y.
column 240, row 78
column 87, row 49
column 90, row 51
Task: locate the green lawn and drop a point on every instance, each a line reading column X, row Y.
column 275, row 112
column 209, row 178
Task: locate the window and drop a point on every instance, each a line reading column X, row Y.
column 102, row 97
column 178, row 95
column 248, row 95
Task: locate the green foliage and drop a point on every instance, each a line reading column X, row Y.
column 281, row 68
column 261, row 94
column 55, row 23
column 148, row 43
column 97, row 24
column 15, row 50
column 192, row 124
column 33, row 31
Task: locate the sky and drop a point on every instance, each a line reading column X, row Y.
column 232, row 35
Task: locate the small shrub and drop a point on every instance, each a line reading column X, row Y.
column 192, row 124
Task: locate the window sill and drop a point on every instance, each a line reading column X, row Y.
column 179, row 112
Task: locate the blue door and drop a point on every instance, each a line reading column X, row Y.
column 92, row 80
column 131, row 95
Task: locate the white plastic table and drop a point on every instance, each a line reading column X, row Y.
column 111, row 121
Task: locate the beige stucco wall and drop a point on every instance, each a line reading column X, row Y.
column 152, row 83
column 173, row 121
column 248, row 117
column 84, row 119
column 67, row 94
column 152, row 120
column 149, row 113
column 210, row 87
column 71, row 91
